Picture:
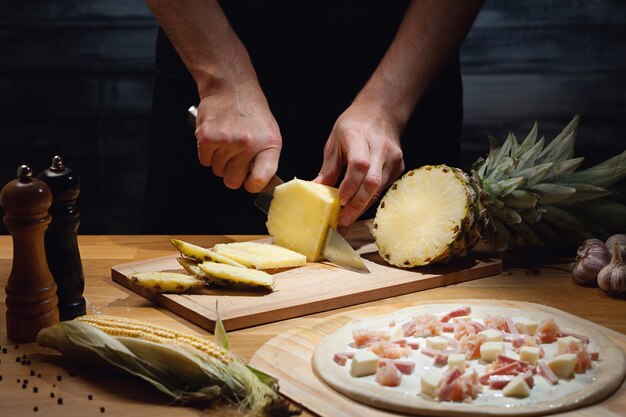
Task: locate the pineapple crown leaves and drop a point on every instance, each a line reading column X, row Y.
column 533, row 192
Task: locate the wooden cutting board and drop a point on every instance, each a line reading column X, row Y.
column 310, row 289
column 288, row 358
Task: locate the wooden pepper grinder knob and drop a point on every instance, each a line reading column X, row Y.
column 31, row 291
column 61, row 241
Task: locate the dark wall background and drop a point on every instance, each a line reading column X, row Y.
column 75, row 80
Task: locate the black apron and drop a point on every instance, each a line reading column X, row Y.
column 311, row 63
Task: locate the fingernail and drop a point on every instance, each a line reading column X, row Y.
column 345, row 220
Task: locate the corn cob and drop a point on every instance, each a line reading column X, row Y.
column 184, row 366
column 121, row 326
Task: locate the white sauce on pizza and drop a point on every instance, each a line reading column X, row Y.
column 604, row 376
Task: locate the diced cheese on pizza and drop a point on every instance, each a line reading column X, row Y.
column 438, row 343
column 396, row 333
column 517, row 387
column 489, row 350
column 530, row 354
column 492, row 335
column 364, row 362
column 430, row 380
column 563, row 343
column 563, row 365
column 525, row 325
column 458, row 360
column 461, row 319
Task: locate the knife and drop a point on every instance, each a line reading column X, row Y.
column 336, row 249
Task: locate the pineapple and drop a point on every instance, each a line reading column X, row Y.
column 228, row 275
column 521, row 195
column 202, row 254
column 260, row 255
column 300, row 214
column 166, row 282
column 225, row 275
column 440, row 223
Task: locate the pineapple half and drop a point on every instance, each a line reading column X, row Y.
column 521, row 195
column 430, row 215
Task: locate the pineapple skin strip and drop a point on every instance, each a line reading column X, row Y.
column 202, row 254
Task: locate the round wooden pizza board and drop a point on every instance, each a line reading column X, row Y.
column 289, row 358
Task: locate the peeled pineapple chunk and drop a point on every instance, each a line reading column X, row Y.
column 300, row 214
column 228, row 275
column 260, row 255
column 427, row 216
column 202, row 254
column 166, row 282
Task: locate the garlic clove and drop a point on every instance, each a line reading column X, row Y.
column 612, row 278
column 619, row 238
column 591, row 257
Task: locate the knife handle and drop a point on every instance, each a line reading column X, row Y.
column 192, row 114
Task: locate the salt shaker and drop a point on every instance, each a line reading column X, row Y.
column 61, row 241
column 31, row 297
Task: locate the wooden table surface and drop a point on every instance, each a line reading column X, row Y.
column 523, row 279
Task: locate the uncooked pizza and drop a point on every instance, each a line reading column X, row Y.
column 449, row 359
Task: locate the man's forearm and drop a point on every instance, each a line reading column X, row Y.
column 205, row 41
column 429, row 34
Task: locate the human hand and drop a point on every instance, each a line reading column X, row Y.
column 238, row 137
column 365, row 139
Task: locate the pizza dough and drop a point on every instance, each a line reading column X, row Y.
column 597, row 383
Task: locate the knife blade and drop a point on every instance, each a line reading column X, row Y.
column 264, row 197
column 336, row 249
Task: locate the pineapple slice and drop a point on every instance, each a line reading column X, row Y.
column 427, row 216
column 166, row 282
column 260, row 255
column 202, row 254
column 228, row 275
column 300, row 214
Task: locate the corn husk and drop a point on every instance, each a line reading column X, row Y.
column 181, row 371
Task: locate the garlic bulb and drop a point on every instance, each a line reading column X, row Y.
column 619, row 238
column 591, row 257
column 612, row 278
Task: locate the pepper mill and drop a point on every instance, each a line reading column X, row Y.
column 61, row 241
column 31, row 291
